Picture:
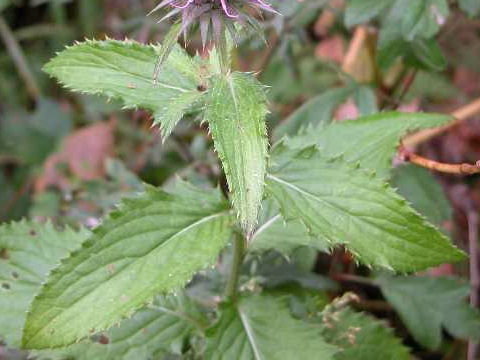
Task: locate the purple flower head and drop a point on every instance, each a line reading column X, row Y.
column 213, row 15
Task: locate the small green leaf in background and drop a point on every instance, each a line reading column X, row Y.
column 471, row 7
column 235, row 113
column 420, row 187
column 32, row 137
column 152, row 244
column 28, row 251
column 4, row 4
column 366, row 100
column 371, row 140
column 428, row 53
column 362, row 337
column 319, row 111
column 124, row 70
column 261, row 327
column 421, row 18
column 342, row 204
column 362, row 11
column 407, row 29
column 426, row 304
column 314, row 113
column 275, row 272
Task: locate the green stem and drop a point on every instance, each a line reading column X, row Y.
column 19, row 59
column 239, row 245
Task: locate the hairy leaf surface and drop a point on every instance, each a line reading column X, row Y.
column 371, row 140
column 160, row 328
column 343, row 204
column 152, row 244
column 28, row 251
column 235, row 113
column 425, row 304
column 124, row 70
column 261, row 328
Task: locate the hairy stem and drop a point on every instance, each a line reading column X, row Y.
column 239, row 245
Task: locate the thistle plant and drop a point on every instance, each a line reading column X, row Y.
column 133, row 279
column 214, row 17
column 213, row 13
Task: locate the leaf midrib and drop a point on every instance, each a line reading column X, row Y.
column 250, row 334
column 335, row 207
column 265, row 226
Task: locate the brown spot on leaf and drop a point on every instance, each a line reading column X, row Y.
column 111, row 268
column 4, row 255
column 104, row 340
column 6, row 286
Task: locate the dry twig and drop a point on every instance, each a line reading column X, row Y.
column 457, row 169
column 460, row 115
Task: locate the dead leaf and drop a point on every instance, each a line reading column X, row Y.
column 331, row 49
column 347, row 111
column 83, row 153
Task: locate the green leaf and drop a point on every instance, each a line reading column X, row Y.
column 371, row 140
column 315, row 112
column 361, row 337
column 366, row 100
column 425, row 304
column 42, row 131
column 28, row 251
column 163, row 326
column 471, row 7
column 362, row 11
column 235, row 112
column 421, row 18
column 429, row 53
column 152, row 244
column 174, row 111
column 342, row 204
column 4, row 4
column 244, row 332
column 421, row 188
column 166, row 48
column 275, row 272
column 124, row 70
column 408, row 32
column 283, row 236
